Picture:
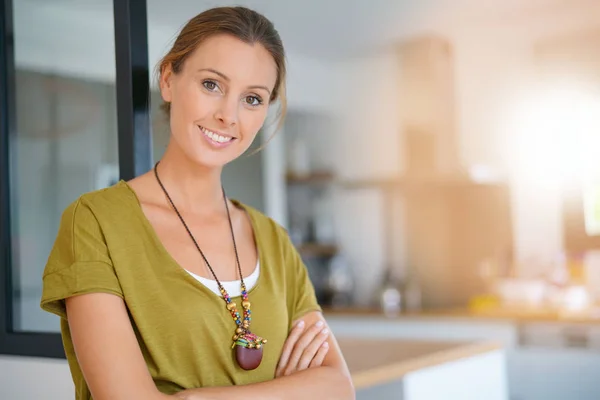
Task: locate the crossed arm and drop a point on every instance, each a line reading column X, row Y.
column 101, row 332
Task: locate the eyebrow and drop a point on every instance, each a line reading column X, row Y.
column 225, row 77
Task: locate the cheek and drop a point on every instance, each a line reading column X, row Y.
column 253, row 121
column 193, row 101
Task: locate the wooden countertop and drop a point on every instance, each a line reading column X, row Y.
column 373, row 362
column 500, row 314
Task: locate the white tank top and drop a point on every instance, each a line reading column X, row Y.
column 232, row 287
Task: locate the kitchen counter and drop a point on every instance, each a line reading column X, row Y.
column 405, row 369
column 373, row 362
column 566, row 348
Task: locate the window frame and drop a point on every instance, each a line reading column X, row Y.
column 134, row 142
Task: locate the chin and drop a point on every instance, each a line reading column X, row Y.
column 209, row 159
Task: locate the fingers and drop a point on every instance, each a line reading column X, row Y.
column 289, row 346
column 312, row 349
column 317, row 361
column 301, row 345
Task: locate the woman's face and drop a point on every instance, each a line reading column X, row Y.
column 220, row 98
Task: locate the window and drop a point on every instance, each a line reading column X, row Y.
column 68, row 97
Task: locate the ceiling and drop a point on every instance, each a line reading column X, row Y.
column 76, row 37
column 334, row 28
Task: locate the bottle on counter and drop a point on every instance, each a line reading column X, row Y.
column 341, row 281
column 390, row 295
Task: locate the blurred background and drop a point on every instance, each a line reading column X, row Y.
column 438, row 169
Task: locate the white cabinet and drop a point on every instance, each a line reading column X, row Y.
column 555, row 361
column 553, row 374
column 479, row 377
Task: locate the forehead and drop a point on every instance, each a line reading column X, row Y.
column 248, row 64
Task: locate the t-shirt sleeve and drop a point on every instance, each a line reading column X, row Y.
column 79, row 261
column 303, row 299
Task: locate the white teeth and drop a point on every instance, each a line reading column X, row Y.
column 215, row 137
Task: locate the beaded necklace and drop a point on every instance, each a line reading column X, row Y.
column 248, row 346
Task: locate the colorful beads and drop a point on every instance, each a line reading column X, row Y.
column 243, row 337
column 250, row 340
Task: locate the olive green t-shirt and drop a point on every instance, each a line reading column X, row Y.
column 106, row 244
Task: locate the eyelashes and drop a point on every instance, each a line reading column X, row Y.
column 210, row 85
column 213, row 87
column 254, row 100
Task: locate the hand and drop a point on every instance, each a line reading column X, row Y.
column 303, row 349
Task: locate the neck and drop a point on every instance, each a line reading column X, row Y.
column 193, row 188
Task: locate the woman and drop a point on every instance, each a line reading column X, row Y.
column 173, row 290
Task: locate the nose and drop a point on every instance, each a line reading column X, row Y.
column 227, row 112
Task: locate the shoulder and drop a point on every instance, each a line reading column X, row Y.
column 114, row 201
column 114, row 197
column 262, row 223
column 82, row 230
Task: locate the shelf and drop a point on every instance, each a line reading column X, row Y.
column 402, row 182
column 318, row 250
column 317, row 177
column 417, row 182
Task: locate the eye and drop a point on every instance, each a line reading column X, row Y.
column 209, row 85
column 253, row 100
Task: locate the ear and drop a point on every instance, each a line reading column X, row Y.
column 165, row 83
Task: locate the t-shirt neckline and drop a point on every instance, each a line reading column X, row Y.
column 178, row 268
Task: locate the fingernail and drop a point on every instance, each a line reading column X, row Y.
column 325, row 345
column 300, row 324
column 325, row 331
column 319, row 324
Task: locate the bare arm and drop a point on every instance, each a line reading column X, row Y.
column 107, row 349
column 330, row 381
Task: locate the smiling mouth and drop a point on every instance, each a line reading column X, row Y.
column 215, row 137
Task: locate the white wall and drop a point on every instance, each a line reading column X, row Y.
column 24, row 378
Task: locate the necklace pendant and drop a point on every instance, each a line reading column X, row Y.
column 248, row 359
column 248, row 350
